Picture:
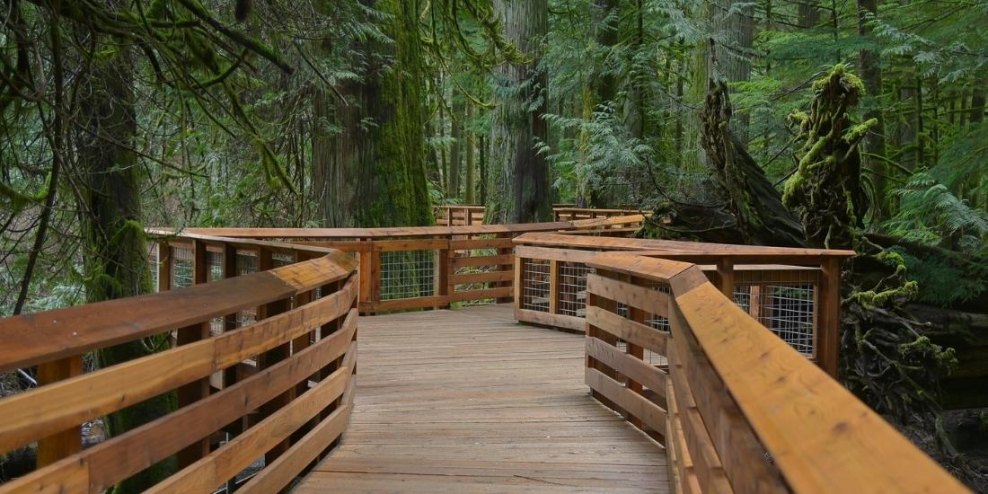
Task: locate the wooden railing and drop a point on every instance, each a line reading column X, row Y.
column 737, row 409
column 466, row 215
column 260, row 360
column 430, row 267
column 793, row 292
column 456, row 215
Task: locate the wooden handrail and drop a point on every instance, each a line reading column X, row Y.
column 409, row 232
column 550, row 272
column 427, row 267
column 287, row 375
column 737, row 409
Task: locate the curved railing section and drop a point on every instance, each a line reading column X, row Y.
column 404, row 268
column 263, row 349
column 737, row 409
column 793, row 292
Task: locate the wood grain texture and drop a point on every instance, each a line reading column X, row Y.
column 469, row 401
column 821, row 437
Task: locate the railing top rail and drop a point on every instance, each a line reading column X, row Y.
column 673, row 248
column 821, row 437
column 246, row 243
column 32, row 339
column 406, row 232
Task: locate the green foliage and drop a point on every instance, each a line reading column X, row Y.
column 930, row 214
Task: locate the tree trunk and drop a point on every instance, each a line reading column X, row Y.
column 456, row 152
column 735, row 26
column 809, row 13
column 870, row 68
column 377, row 176
column 520, row 186
column 110, row 208
column 470, row 148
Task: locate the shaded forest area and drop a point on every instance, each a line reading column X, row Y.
column 801, row 122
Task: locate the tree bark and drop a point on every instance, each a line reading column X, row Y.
column 110, row 207
column 735, row 26
column 377, row 174
column 456, row 151
column 870, row 68
column 470, row 148
column 520, row 186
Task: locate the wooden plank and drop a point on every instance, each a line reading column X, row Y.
column 709, row 470
column 647, row 299
column 283, row 471
column 827, row 337
column 486, row 293
column 407, row 303
column 485, row 277
column 410, row 245
column 629, row 401
column 821, row 437
column 43, row 337
column 647, row 337
column 627, row 365
column 473, row 261
column 54, row 447
column 781, row 255
column 481, row 244
column 227, row 461
column 125, row 455
column 568, row 255
column 467, row 400
column 559, row 321
column 741, row 453
column 29, row 415
column 554, row 286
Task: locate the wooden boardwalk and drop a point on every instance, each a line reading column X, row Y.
column 470, row 401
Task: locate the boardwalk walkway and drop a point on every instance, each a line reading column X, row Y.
column 470, row 401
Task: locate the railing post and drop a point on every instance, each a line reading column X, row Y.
column 444, row 268
column 164, row 267
column 68, row 442
column 828, row 316
column 503, row 252
column 553, row 286
column 364, row 253
column 199, row 389
column 725, row 276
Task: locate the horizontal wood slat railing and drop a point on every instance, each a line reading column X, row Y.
column 793, row 292
column 262, row 341
column 467, row 215
column 737, row 409
column 407, row 268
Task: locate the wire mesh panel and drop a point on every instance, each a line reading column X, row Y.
column 154, row 260
column 782, row 301
column 214, row 261
column 408, row 274
column 280, row 259
column 181, row 266
column 654, row 320
column 573, row 288
column 535, row 285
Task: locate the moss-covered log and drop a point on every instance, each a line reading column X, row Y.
column 826, row 192
column 744, row 207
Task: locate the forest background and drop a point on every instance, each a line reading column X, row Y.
column 120, row 114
